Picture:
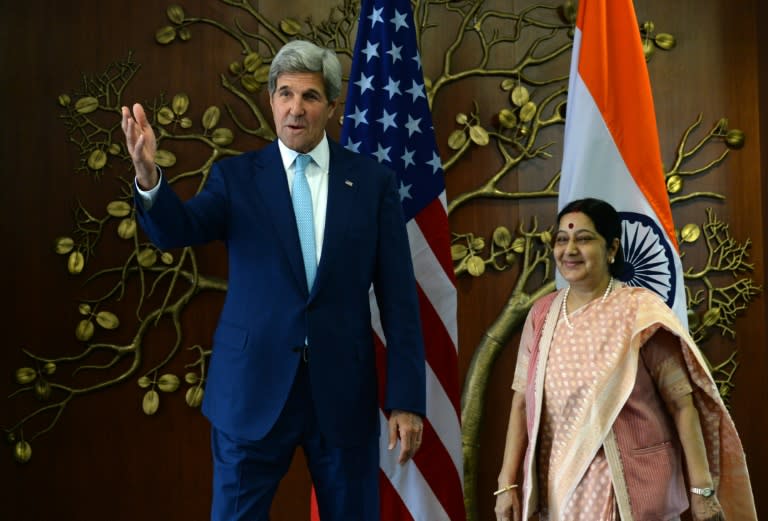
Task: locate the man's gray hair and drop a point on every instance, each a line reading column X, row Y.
column 304, row 56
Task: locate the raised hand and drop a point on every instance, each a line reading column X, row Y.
column 141, row 144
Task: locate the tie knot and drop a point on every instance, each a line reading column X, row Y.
column 302, row 160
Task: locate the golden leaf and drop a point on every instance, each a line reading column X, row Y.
column 97, row 160
column 166, row 258
column 665, row 41
column 22, row 452
column 42, row 389
column 519, row 245
column 64, row 245
column 501, row 237
column 147, row 257
column 185, row 123
column 262, row 74
column 478, row 135
column 86, row 105
column 84, row 331
column 180, row 104
column 194, row 396
column 711, row 317
column 457, row 139
column 478, row 243
column 144, row 382
column 520, row 96
column 118, row 208
column 734, row 139
column 674, row 184
column 84, row 309
column 546, row 237
column 250, row 83
column 64, row 100
column 25, row 375
column 185, row 34
column 211, row 117
column 75, row 263
column 507, row 118
column 168, row 383
column 165, row 35
column 191, row 378
column 648, row 49
column 458, row 251
column 290, row 26
column 126, row 229
column 165, row 116
column 690, row 232
column 165, row 158
column 252, row 62
column 222, row 136
column 114, row 149
column 235, row 68
column 151, row 402
column 175, row 13
column 107, row 320
column 508, row 84
column 461, row 118
column 527, row 112
column 49, row 368
column 475, row 266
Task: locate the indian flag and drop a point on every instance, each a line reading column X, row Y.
column 611, row 146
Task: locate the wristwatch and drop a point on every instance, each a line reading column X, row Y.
column 706, row 491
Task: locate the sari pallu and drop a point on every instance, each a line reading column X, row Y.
column 642, row 313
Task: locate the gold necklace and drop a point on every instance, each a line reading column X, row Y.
column 564, row 307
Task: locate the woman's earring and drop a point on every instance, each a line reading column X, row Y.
column 610, row 260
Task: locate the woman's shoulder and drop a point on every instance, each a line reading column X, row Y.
column 640, row 295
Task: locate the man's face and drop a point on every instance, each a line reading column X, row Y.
column 301, row 109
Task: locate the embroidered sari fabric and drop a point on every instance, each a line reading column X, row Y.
column 580, row 381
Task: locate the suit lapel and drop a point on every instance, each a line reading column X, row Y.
column 271, row 186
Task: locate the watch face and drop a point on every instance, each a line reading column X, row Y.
column 706, row 492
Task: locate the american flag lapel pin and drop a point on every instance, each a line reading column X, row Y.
column 348, row 182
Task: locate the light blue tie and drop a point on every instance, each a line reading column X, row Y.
column 305, row 222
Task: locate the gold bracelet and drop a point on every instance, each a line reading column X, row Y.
column 505, row 489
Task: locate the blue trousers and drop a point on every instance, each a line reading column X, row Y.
column 246, row 473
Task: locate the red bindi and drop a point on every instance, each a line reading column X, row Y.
column 570, row 225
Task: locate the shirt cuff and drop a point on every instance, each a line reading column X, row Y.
column 148, row 197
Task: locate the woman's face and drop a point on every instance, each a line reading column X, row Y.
column 581, row 254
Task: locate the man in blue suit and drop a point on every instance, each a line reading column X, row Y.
column 293, row 359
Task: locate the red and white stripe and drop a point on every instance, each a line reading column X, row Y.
column 430, row 487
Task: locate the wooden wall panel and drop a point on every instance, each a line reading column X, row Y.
column 105, row 459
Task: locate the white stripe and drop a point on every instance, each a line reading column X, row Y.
column 409, row 482
column 433, row 280
column 442, row 417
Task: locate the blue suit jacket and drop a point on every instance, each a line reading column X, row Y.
column 268, row 310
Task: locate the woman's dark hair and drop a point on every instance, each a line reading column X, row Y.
column 607, row 223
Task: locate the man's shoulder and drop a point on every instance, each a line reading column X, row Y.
column 248, row 158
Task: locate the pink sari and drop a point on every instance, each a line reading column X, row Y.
column 604, row 350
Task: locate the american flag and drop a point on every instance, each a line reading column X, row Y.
column 387, row 116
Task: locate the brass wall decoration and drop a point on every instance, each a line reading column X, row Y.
column 520, row 56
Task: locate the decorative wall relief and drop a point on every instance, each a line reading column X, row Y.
column 521, row 55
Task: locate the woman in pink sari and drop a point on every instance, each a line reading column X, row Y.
column 615, row 415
